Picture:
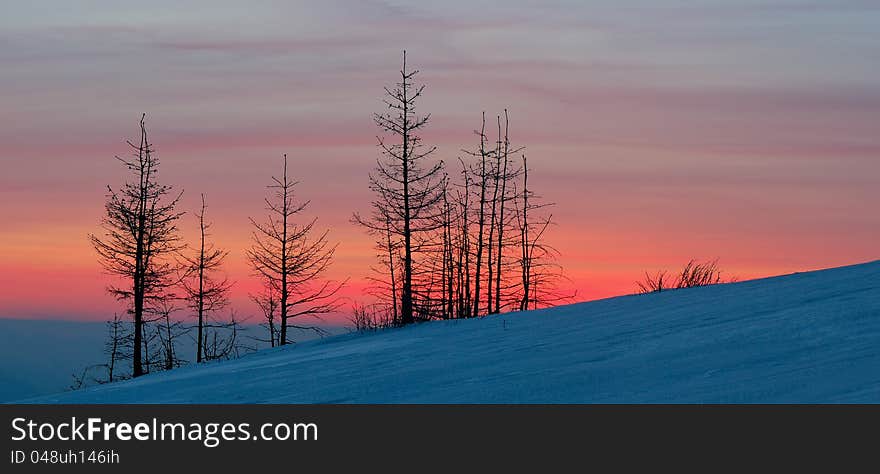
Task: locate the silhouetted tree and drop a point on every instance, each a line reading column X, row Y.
column 504, row 173
column 140, row 233
column 152, row 354
column 117, row 347
column 494, row 192
column 482, row 174
column 462, row 248
column 167, row 331
column 223, row 341
column 540, row 273
column 204, row 292
column 268, row 305
column 385, row 280
column 448, row 258
column 406, row 185
column 292, row 261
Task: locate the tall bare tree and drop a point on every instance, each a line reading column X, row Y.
column 504, row 175
column 492, row 174
column 482, row 175
column 463, row 246
column 204, row 291
column 140, row 234
column 540, row 274
column 292, row 260
column 406, row 184
column 448, row 255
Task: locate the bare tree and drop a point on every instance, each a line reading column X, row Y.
column 384, row 282
column 117, row 347
column 448, row 257
column 482, row 242
column 392, row 261
column 140, row 233
column 204, row 292
column 505, row 174
column 490, row 261
column 462, row 247
column 153, row 355
column 292, row 261
column 268, row 304
column 540, row 274
column 223, row 341
column 167, row 331
column 482, row 174
column 526, row 249
column 406, row 185
column 493, row 177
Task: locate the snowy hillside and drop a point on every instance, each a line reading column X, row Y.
column 810, row 337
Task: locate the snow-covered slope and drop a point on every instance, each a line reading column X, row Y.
column 810, row 337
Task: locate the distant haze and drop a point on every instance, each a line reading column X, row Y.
column 39, row 357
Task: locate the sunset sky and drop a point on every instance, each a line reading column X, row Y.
column 664, row 130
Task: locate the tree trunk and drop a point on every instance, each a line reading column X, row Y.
column 481, row 221
column 201, row 295
column 406, row 297
column 503, row 198
column 284, row 269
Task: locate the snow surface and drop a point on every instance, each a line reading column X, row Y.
column 808, row 337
